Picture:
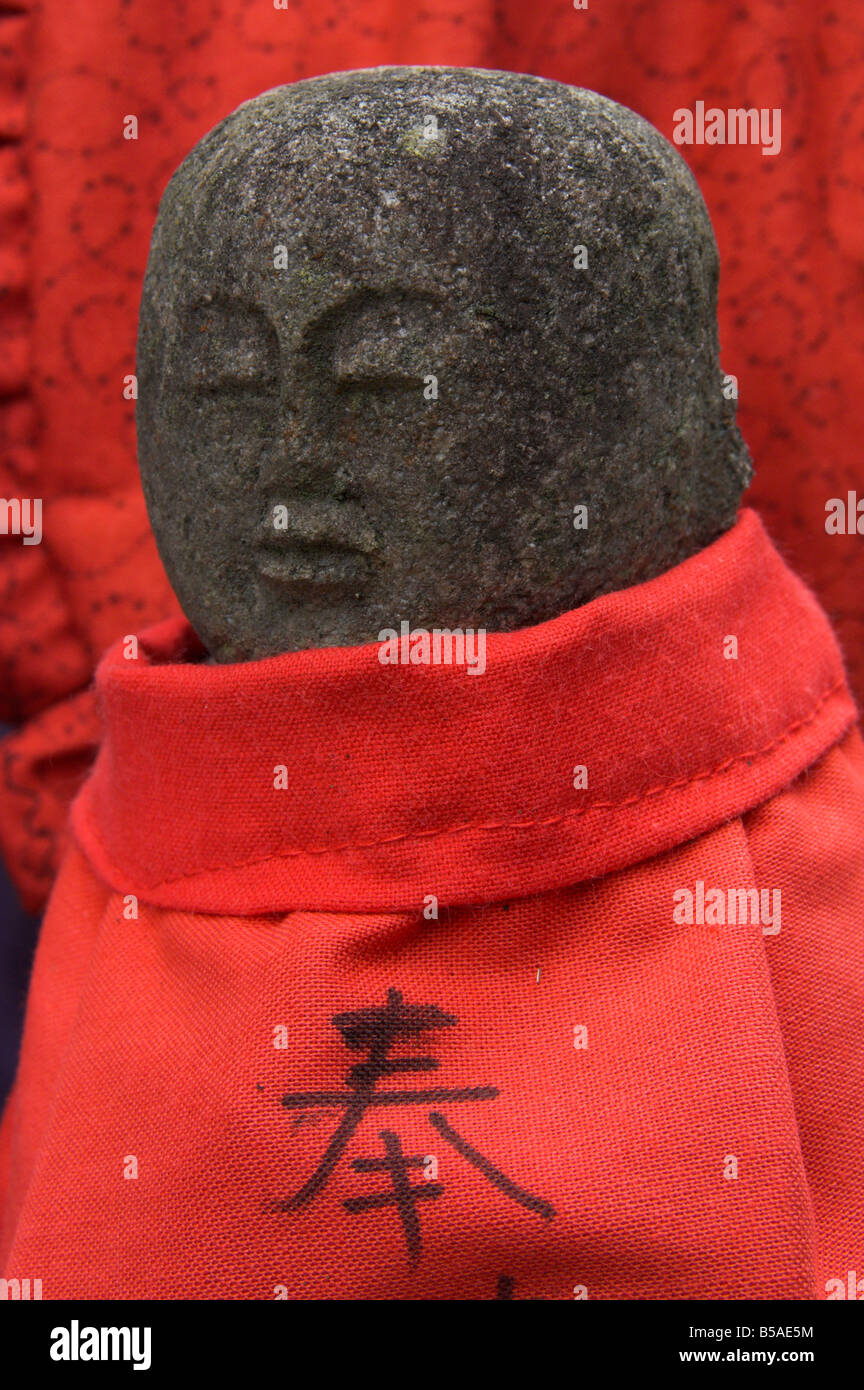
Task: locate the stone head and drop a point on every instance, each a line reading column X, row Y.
column 397, row 326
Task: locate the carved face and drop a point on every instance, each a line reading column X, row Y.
column 373, row 387
column 335, row 467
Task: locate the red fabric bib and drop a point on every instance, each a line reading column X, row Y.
column 407, row 780
column 430, row 1019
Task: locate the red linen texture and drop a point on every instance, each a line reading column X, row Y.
column 287, row 1076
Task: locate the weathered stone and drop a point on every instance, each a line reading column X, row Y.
column 331, row 248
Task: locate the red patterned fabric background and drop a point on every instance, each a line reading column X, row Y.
column 77, row 203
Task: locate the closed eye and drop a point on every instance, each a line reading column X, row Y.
column 226, row 347
column 378, row 342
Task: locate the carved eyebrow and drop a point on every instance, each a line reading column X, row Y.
column 351, row 311
column 375, row 336
column 223, row 341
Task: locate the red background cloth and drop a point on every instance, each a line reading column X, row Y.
column 77, row 204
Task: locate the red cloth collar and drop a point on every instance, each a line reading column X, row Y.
column 406, row 781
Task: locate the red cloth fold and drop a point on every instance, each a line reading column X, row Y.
column 431, row 1021
column 399, row 777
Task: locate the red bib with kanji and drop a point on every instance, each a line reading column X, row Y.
column 403, row 978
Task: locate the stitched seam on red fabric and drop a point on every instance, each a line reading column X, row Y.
column 794, row 1108
column 502, row 825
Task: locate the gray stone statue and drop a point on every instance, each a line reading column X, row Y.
column 428, row 344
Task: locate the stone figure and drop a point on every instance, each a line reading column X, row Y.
column 428, row 344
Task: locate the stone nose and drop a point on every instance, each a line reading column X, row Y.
column 302, row 455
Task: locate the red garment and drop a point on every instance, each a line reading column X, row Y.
column 78, row 201
column 558, row 1087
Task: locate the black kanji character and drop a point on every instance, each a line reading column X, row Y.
column 375, row 1031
